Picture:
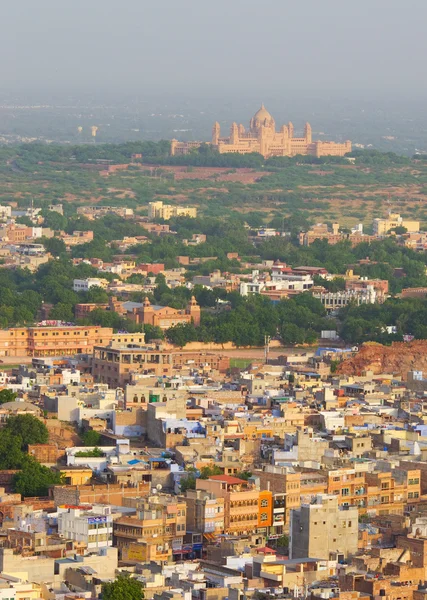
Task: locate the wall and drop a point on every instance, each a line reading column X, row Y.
column 39, row 570
column 104, row 494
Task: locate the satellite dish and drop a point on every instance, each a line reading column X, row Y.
column 154, row 491
column 159, row 487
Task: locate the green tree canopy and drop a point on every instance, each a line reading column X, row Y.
column 91, row 438
column 28, row 429
column 35, row 479
column 7, row 396
column 123, row 588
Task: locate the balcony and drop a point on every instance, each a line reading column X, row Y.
column 271, row 576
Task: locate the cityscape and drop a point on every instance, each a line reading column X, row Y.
column 213, row 320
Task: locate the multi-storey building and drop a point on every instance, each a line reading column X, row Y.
column 77, row 237
column 246, row 508
column 119, row 366
column 93, row 525
column 393, row 220
column 158, row 210
column 285, row 484
column 155, row 533
column 205, row 513
column 52, row 340
column 84, row 285
column 333, row 235
column 322, row 529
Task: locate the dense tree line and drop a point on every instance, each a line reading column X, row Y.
column 294, row 321
column 369, row 322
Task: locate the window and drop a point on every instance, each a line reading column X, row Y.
column 345, row 492
column 264, row 517
column 264, row 503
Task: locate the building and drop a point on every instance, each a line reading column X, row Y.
column 336, row 300
column 5, row 212
column 322, row 529
column 246, row 508
column 263, row 138
column 93, row 525
column 158, row 210
column 119, row 366
column 155, row 533
column 321, row 231
column 52, row 340
column 77, row 237
column 84, row 285
column 96, row 212
column 393, row 220
column 205, row 513
column 165, row 316
column 82, row 310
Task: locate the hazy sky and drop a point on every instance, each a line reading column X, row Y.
column 226, row 46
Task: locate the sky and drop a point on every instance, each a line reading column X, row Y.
column 224, row 48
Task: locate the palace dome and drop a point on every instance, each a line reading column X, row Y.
column 262, row 114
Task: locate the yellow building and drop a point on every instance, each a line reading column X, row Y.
column 158, row 210
column 263, row 138
column 383, row 226
column 76, row 475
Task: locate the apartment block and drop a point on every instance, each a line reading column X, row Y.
column 323, row 529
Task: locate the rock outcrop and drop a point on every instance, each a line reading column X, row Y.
column 397, row 359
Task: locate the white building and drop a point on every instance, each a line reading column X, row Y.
column 5, row 212
column 336, row 300
column 84, row 285
column 278, row 282
column 94, row 527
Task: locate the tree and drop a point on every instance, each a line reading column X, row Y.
column 54, row 220
column 187, row 483
column 283, row 541
column 123, row 588
column 11, row 454
column 35, row 479
column 153, row 332
column 96, row 295
column 62, row 312
column 54, row 245
column 399, row 230
column 181, row 334
column 206, row 472
column 7, row 396
column 91, row 438
column 28, row 428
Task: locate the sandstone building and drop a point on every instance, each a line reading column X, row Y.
column 165, row 316
column 263, row 138
column 55, row 340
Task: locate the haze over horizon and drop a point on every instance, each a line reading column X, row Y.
column 226, row 50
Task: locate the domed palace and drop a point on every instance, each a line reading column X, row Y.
column 263, row 138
